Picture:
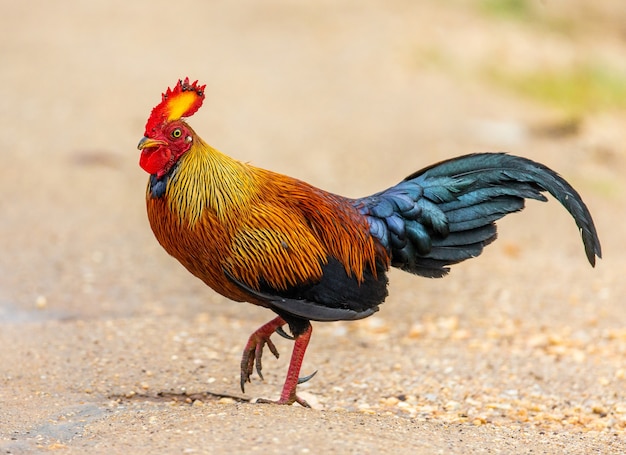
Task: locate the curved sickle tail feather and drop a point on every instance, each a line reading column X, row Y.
column 446, row 213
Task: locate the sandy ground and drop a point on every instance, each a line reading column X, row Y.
column 109, row 346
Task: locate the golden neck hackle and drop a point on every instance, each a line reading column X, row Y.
column 206, row 179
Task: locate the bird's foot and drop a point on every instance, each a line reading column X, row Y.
column 288, row 401
column 292, row 397
column 253, row 351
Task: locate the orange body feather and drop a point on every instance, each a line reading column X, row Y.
column 220, row 214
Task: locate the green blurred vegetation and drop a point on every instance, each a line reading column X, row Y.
column 575, row 90
column 509, row 9
column 526, row 11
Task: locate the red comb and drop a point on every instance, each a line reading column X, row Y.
column 183, row 101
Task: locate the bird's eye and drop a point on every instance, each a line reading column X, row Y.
column 177, row 133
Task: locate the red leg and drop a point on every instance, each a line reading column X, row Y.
column 288, row 395
column 255, row 345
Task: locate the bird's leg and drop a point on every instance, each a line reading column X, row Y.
column 253, row 352
column 288, row 395
column 254, row 349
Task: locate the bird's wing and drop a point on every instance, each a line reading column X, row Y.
column 286, row 259
column 306, row 302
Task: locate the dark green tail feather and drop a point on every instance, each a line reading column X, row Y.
column 455, row 205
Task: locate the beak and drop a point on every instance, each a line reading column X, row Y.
column 146, row 142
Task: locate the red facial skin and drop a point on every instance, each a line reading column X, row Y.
column 164, row 146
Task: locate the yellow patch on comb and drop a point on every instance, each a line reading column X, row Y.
column 179, row 105
column 183, row 101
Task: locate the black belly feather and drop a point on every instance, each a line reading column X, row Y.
column 337, row 296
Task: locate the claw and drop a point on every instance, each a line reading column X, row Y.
column 306, row 378
column 253, row 351
column 282, row 333
column 258, row 354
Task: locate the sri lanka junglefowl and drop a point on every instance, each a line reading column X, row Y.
column 309, row 255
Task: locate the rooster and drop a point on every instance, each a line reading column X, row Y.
column 309, row 255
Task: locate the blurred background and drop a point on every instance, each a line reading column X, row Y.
column 348, row 95
column 351, row 96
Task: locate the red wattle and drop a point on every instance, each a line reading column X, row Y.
column 154, row 160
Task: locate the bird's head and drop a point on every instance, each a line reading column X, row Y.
column 167, row 136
